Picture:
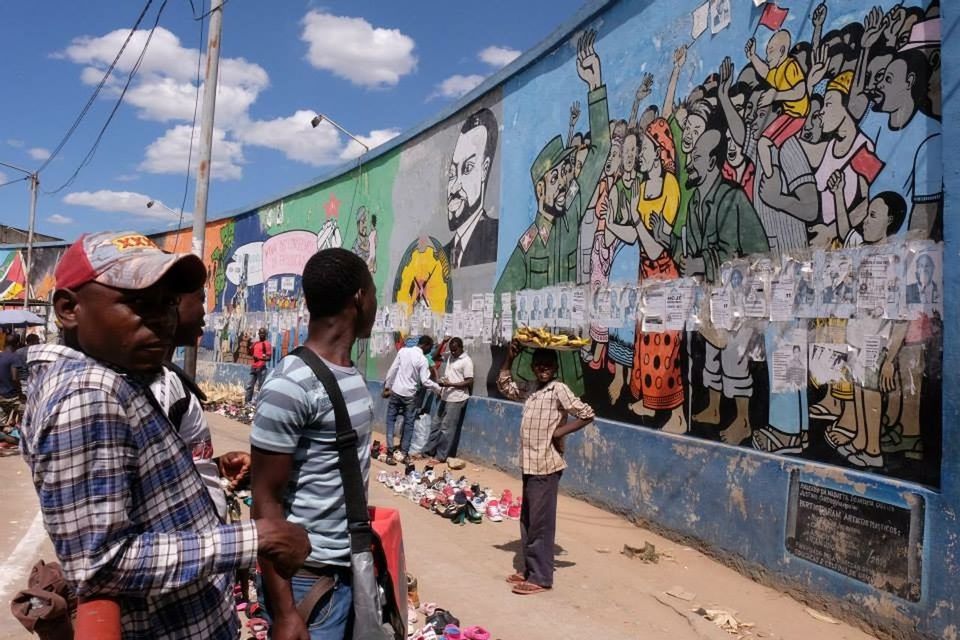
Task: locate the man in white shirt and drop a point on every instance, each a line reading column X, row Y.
column 408, row 372
column 456, row 383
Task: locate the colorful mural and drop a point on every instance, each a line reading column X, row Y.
column 741, row 207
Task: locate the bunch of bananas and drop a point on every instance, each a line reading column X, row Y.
column 542, row 338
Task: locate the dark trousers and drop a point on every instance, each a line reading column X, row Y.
column 444, row 434
column 257, row 377
column 407, row 408
column 538, row 526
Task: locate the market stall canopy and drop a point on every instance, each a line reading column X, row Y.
column 20, row 318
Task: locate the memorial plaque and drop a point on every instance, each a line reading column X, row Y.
column 875, row 542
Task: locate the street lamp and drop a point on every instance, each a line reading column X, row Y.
column 34, row 179
column 153, row 203
column 317, row 119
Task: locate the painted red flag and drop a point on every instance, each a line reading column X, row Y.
column 867, row 164
column 773, row 16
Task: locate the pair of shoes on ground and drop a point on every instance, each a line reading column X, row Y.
column 522, row 587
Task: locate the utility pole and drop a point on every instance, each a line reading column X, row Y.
column 34, row 178
column 206, row 149
column 34, row 188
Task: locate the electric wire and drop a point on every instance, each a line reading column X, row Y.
column 133, row 72
column 97, row 90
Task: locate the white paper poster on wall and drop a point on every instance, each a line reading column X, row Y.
column 719, row 15
column 701, row 20
column 790, row 362
column 828, row 362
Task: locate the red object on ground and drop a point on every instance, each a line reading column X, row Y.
column 386, row 524
column 773, row 16
column 97, row 620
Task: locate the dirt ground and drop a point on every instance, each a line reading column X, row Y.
column 598, row 593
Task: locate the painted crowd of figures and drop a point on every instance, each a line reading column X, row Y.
column 827, row 144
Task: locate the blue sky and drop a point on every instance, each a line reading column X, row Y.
column 377, row 68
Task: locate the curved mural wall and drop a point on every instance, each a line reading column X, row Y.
column 740, row 206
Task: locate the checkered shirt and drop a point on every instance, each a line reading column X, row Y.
column 543, row 411
column 126, row 509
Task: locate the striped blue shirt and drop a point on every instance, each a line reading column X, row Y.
column 295, row 416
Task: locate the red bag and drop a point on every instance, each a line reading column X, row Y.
column 386, row 526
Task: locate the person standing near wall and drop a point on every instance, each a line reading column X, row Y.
column 262, row 351
column 23, row 372
column 456, row 383
column 10, row 390
column 295, row 473
column 410, row 370
column 546, row 404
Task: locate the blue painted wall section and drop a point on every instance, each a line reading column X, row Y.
column 732, row 503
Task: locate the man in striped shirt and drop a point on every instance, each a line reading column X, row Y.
column 294, row 446
column 547, row 403
column 126, row 510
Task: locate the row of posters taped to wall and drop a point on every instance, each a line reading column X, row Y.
column 868, row 288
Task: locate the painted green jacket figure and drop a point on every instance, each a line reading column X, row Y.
column 546, row 253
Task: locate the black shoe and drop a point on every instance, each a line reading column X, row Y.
column 390, row 461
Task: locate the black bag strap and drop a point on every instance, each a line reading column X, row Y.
column 189, row 384
column 358, row 518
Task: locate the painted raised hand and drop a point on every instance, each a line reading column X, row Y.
column 574, row 113
column 588, row 62
column 819, row 15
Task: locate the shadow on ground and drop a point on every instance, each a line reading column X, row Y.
column 514, row 547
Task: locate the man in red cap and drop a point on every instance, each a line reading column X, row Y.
column 128, row 514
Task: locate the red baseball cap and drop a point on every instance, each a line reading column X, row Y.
column 125, row 260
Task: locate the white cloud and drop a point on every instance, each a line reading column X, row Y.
column 3, row 177
column 129, row 202
column 376, row 138
column 59, row 219
column 354, row 49
column 13, row 142
column 498, row 57
column 457, row 86
column 168, row 154
column 39, row 153
column 165, row 88
column 295, row 136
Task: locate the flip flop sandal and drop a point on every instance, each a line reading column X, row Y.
column 834, row 428
column 516, row 578
column 528, row 589
column 771, row 440
column 476, row 633
column 892, row 437
column 864, row 460
column 820, row 411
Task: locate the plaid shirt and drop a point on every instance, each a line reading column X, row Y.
column 543, row 411
column 127, row 511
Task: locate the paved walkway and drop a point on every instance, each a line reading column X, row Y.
column 599, row 593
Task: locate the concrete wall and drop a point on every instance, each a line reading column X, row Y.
column 713, row 425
